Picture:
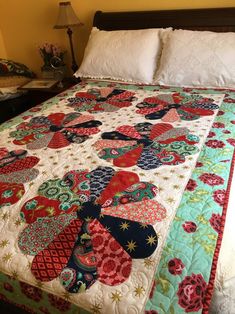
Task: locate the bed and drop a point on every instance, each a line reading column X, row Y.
column 114, row 194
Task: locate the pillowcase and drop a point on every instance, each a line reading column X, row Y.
column 9, row 67
column 198, row 58
column 128, row 55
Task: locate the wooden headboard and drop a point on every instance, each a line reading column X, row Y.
column 218, row 19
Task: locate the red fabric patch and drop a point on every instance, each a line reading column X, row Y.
column 56, row 118
column 119, row 182
column 48, row 264
column 159, row 129
column 198, row 111
column 113, row 262
column 25, row 163
column 17, row 191
column 58, row 141
column 128, row 131
column 44, row 208
column 129, row 159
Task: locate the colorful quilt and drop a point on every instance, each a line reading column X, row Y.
column 113, row 199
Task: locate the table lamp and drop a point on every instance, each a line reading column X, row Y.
column 66, row 19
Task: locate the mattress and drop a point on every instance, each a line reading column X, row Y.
column 113, row 199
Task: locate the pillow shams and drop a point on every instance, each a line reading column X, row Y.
column 128, row 55
column 198, row 58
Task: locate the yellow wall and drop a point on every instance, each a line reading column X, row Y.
column 26, row 24
column 3, row 53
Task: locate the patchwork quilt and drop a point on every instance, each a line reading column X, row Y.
column 113, row 199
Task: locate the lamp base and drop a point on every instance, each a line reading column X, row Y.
column 74, row 64
column 74, row 67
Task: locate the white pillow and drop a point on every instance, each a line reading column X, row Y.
column 197, row 58
column 128, row 55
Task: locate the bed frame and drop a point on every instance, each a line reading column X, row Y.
column 219, row 19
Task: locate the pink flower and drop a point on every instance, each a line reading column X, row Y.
column 31, row 292
column 215, row 222
column 219, row 197
column 175, row 266
column 211, row 179
column 211, row 134
column 189, row 226
column 8, row 287
column 44, row 310
column 191, row 186
column 226, row 132
column 229, row 100
column 59, row 303
column 199, row 164
column 191, row 293
column 151, row 312
column 231, row 141
column 233, row 121
column 218, row 125
column 215, row 144
column 220, row 113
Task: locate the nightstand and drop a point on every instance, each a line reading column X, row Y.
column 12, row 107
column 37, row 96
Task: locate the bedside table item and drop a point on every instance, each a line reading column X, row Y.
column 31, row 97
column 39, row 84
column 66, row 19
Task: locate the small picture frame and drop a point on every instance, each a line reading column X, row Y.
column 42, row 84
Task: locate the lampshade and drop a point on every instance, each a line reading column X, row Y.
column 66, row 16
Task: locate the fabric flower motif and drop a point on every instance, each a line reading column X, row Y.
column 215, row 222
column 59, row 303
column 100, row 100
column 176, row 106
column 191, row 293
column 219, row 197
column 31, row 292
column 175, row 266
column 218, row 125
column 189, row 226
column 55, row 131
column 231, row 141
column 89, row 226
column 211, row 179
column 16, row 168
column 215, row 144
column 191, row 185
column 147, row 145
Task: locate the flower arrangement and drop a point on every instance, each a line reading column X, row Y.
column 47, row 51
